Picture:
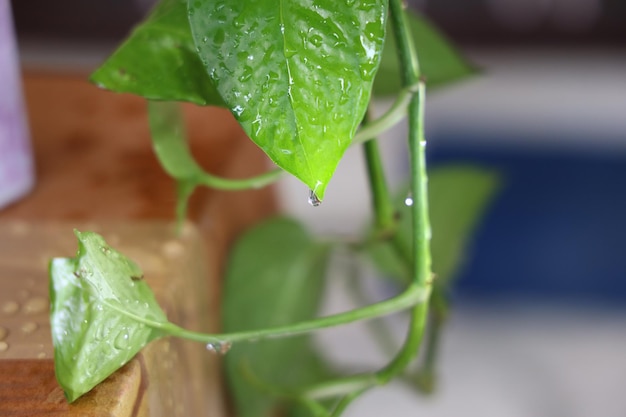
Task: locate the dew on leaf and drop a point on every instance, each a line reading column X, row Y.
column 102, row 332
column 316, row 40
column 290, row 52
column 122, row 340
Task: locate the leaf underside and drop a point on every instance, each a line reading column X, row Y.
column 101, row 314
column 275, row 277
column 458, row 199
column 296, row 74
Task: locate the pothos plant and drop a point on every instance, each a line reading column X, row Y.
column 298, row 75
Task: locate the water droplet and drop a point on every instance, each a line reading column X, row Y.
column 219, row 347
column 122, row 340
column 3, row 333
column 313, row 199
column 408, row 201
column 102, row 332
column 36, row 305
column 29, row 327
column 219, row 37
column 290, row 52
column 247, row 74
column 105, row 249
column 316, row 40
column 205, row 39
column 350, row 2
column 10, row 307
column 173, row 249
column 4, row 346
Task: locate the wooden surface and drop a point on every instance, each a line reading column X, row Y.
column 169, row 377
column 95, row 167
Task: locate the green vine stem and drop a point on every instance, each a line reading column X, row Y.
column 381, row 199
column 421, row 266
column 410, row 297
column 167, row 130
column 391, row 117
column 169, row 140
column 353, row 386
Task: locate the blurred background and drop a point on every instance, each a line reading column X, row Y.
column 538, row 326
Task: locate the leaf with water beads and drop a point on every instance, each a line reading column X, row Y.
column 296, row 74
column 102, row 314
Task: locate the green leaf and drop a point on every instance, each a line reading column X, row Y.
column 167, row 129
column 102, row 314
column 459, row 197
column 297, row 75
column 275, row 277
column 159, row 60
column 439, row 60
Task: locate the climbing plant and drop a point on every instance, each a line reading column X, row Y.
column 299, row 77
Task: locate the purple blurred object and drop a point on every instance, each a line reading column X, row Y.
column 16, row 162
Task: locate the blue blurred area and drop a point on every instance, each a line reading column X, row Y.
column 557, row 230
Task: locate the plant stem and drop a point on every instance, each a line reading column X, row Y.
column 395, row 114
column 421, row 266
column 345, row 402
column 381, row 199
column 409, row 298
column 169, row 140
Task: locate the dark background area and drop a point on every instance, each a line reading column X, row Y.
column 468, row 22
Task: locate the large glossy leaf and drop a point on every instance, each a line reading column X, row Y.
column 275, row 277
column 296, row 74
column 159, row 60
column 102, row 314
column 459, row 196
column 439, row 60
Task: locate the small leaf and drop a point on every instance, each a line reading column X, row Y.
column 459, row 196
column 439, row 60
column 275, row 277
column 297, row 75
column 167, row 129
column 159, row 60
column 102, row 314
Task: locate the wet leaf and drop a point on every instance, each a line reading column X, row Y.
column 297, row 75
column 159, row 60
column 439, row 60
column 102, row 314
column 459, row 197
column 275, row 277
